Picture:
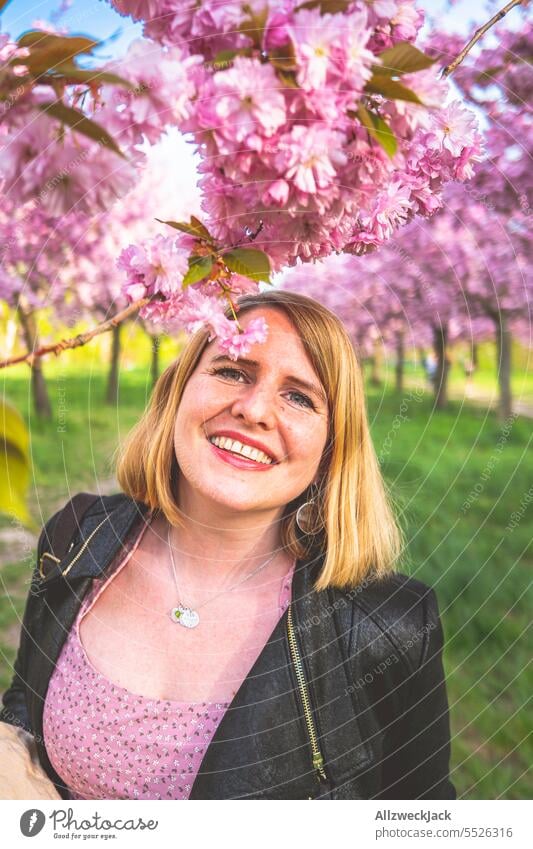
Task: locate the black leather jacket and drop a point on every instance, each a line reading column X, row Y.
column 357, row 681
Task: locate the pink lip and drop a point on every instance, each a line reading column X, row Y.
column 240, row 462
column 245, row 440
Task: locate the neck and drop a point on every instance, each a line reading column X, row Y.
column 231, row 546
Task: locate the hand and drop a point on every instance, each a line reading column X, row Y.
column 21, row 774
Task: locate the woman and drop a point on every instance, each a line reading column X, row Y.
column 232, row 626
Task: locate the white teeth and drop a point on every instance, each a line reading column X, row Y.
column 238, row 448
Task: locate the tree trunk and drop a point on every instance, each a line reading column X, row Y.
column 440, row 346
column 475, row 355
column 111, row 396
column 377, row 363
column 154, row 369
column 400, row 360
column 503, row 342
column 41, row 401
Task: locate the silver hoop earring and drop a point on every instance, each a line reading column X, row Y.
column 306, row 521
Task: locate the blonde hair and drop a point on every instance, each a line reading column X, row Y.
column 357, row 531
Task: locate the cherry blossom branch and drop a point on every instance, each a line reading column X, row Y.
column 479, row 33
column 81, row 338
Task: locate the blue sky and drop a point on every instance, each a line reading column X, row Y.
column 88, row 17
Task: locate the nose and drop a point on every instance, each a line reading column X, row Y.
column 255, row 405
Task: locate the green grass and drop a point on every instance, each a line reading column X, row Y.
column 75, row 450
column 461, row 545
column 457, row 478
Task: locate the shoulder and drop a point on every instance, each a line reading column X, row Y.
column 80, row 514
column 398, row 614
column 397, row 598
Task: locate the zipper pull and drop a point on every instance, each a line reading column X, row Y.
column 318, row 763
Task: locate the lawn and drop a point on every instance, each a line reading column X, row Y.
column 462, row 487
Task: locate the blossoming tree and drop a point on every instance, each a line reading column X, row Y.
column 320, row 127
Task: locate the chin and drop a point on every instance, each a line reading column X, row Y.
column 237, row 504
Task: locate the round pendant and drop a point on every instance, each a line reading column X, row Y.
column 185, row 616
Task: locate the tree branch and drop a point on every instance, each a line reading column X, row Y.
column 479, row 33
column 81, row 338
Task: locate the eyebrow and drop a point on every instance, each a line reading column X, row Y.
column 291, row 378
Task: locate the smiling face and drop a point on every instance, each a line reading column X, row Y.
column 250, row 433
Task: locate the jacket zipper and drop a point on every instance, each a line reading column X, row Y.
column 78, row 555
column 318, row 760
column 84, row 546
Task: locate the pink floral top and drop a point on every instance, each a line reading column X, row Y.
column 109, row 743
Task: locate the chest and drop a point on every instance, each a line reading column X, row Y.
column 129, row 637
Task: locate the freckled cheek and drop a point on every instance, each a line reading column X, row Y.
column 197, row 405
column 301, row 445
column 207, row 398
column 313, row 444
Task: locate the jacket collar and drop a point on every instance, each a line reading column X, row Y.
column 93, row 553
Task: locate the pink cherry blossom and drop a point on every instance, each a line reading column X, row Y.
column 390, row 208
column 305, row 157
column 357, row 59
column 157, row 265
column 277, row 193
column 314, row 37
column 245, row 100
column 406, row 21
column 454, row 128
column 238, row 344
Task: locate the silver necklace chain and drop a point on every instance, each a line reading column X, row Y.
column 188, row 616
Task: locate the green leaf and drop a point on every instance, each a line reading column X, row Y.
column 83, row 75
column 199, row 267
column 403, row 58
column 391, row 89
column 199, row 227
column 225, row 58
column 14, row 464
column 490, row 73
column 283, row 58
column 378, row 129
column 76, row 120
column 13, row 429
column 48, row 50
column 68, row 45
column 249, row 262
column 194, row 228
column 325, row 6
column 289, row 80
column 254, row 25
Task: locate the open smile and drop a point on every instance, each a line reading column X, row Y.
column 239, row 454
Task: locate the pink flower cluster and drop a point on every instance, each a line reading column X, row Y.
column 300, row 151
column 460, row 273
column 68, row 171
column 499, row 81
column 156, row 267
column 275, row 123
